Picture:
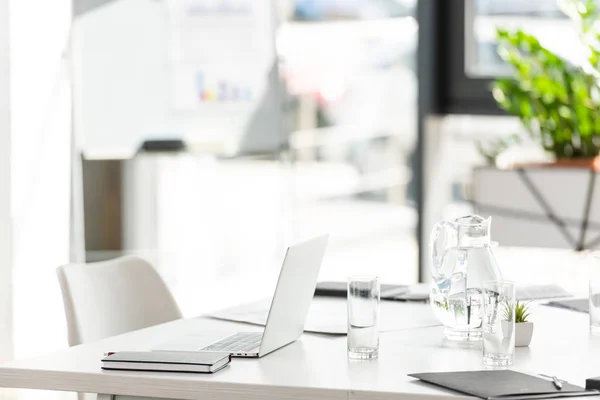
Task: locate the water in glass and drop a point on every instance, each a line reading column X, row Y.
column 363, row 317
column 594, row 299
column 498, row 323
column 462, row 259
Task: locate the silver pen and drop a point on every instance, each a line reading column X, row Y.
column 557, row 382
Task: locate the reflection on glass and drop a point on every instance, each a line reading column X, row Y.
column 363, row 317
column 347, row 9
column 350, row 66
column 594, row 303
column 498, row 323
column 543, row 18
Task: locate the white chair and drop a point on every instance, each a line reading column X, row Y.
column 112, row 297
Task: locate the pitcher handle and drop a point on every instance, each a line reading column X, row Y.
column 443, row 237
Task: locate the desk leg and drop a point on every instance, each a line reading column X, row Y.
column 105, row 397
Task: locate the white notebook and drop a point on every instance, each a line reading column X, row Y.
column 540, row 292
column 167, row 361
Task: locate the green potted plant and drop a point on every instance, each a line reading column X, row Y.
column 523, row 327
column 557, row 103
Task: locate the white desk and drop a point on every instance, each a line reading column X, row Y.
column 316, row 367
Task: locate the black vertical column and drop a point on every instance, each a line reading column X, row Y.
column 429, row 94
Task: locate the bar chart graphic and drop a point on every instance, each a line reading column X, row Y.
column 221, row 90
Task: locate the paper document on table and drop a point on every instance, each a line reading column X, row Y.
column 539, row 292
column 419, row 292
column 580, row 305
column 330, row 315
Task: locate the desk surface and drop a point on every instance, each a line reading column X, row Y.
column 315, row 367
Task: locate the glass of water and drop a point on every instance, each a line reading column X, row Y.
column 363, row 317
column 594, row 279
column 498, row 323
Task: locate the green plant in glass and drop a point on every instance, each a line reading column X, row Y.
column 558, row 103
column 443, row 305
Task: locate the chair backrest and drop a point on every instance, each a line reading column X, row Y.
column 112, row 297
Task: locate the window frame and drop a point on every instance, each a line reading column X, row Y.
column 443, row 88
column 464, row 94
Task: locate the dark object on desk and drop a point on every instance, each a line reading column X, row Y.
column 593, row 383
column 163, row 145
column 340, row 289
column 579, row 305
column 167, row 361
column 502, row 384
column 410, row 296
column 418, row 292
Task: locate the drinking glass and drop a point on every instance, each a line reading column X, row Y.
column 363, row 317
column 498, row 323
column 594, row 304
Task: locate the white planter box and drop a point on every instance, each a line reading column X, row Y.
column 540, row 207
column 523, row 334
column 507, row 328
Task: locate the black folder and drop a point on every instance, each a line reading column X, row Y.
column 502, row 385
column 340, row 289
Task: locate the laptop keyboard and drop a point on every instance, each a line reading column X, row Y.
column 242, row 341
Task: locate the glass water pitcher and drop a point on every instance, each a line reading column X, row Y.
column 462, row 260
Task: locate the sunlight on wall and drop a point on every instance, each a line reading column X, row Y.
column 41, row 127
column 5, row 220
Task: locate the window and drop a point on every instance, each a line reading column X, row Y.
column 467, row 43
column 351, row 67
column 542, row 18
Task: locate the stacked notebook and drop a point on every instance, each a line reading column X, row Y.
column 167, row 361
column 503, row 384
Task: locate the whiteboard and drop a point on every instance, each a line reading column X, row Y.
column 123, row 84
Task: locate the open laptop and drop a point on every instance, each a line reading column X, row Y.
column 287, row 314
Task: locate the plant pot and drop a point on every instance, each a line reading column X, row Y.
column 539, row 206
column 507, row 328
column 580, row 163
column 523, row 334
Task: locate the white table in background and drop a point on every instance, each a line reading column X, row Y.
column 315, row 367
